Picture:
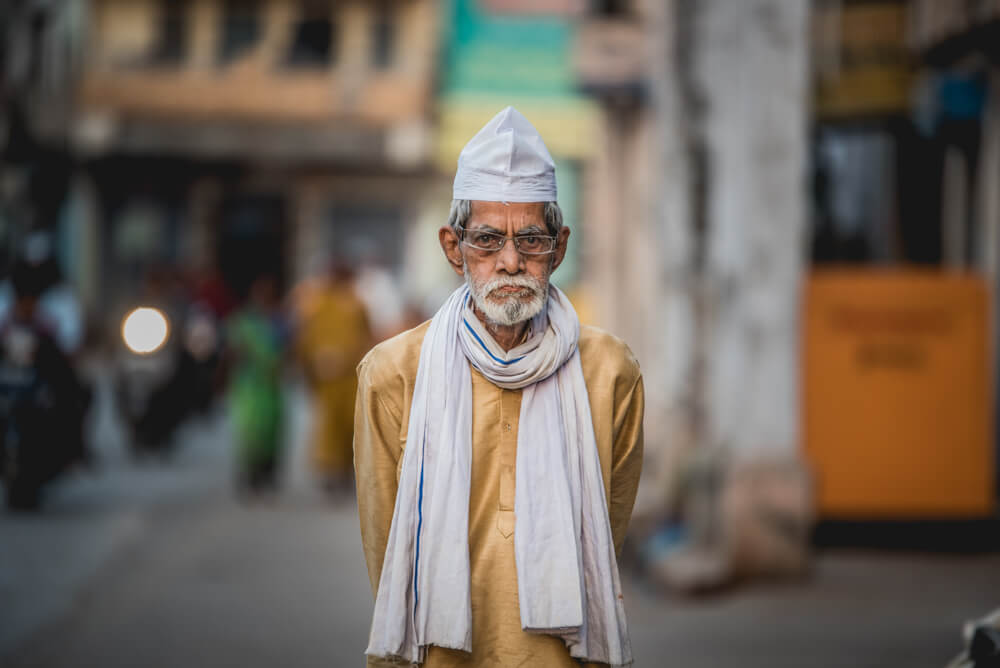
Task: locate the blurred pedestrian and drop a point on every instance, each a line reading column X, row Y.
column 256, row 343
column 210, row 290
column 498, row 446
column 332, row 335
column 42, row 401
column 57, row 310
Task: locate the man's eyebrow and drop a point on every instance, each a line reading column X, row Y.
column 524, row 231
column 483, row 228
column 531, row 229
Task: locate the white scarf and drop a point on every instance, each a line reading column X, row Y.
column 567, row 574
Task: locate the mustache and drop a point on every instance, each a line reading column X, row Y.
column 526, row 283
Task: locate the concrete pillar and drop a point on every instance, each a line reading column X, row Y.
column 751, row 66
column 205, row 16
column 988, row 200
column 731, row 91
column 355, row 31
column 598, row 214
column 988, row 229
column 199, row 239
column 309, row 236
column 661, row 275
column 955, row 209
column 82, row 235
column 276, row 21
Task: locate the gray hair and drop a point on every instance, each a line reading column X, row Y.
column 461, row 209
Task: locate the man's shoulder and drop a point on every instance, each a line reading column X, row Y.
column 603, row 349
column 396, row 357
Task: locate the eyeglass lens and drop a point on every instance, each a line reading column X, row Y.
column 525, row 243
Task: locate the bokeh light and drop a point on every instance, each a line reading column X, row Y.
column 145, row 330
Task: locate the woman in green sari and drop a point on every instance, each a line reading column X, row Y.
column 256, row 401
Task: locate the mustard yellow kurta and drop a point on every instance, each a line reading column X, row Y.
column 386, row 378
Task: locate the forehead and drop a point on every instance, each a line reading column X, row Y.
column 501, row 216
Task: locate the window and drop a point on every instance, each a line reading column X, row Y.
column 854, row 188
column 383, row 35
column 313, row 37
column 610, row 7
column 171, row 39
column 240, row 29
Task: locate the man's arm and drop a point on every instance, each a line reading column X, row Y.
column 376, row 455
column 626, row 462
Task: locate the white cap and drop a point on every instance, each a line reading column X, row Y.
column 506, row 162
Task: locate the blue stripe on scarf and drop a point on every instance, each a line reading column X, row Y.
column 420, row 522
column 495, row 358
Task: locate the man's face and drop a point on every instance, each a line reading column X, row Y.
column 507, row 286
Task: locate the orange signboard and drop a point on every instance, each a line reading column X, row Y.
column 897, row 394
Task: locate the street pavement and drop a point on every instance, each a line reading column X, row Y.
column 158, row 564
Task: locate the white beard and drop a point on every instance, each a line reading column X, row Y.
column 513, row 308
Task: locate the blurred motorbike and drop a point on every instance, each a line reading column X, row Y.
column 162, row 378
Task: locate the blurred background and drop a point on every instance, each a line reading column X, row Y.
column 210, row 209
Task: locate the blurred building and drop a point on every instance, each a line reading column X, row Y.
column 788, row 208
column 40, row 49
column 957, row 51
column 611, row 56
column 623, row 60
column 699, row 186
column 249, row 135
column 799, row 237
column 900, row 332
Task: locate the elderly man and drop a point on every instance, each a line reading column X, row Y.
column 498, row 446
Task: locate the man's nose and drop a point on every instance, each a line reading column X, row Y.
column 509, row 259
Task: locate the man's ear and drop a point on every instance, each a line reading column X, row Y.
column 450, row 244
column 560, row 253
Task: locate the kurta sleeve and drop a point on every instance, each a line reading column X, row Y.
column 626, row 464
column 377, row 450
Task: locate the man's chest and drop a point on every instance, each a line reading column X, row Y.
column 496, row 416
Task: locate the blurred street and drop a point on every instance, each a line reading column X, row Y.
column 157, row 564
column 210, row 210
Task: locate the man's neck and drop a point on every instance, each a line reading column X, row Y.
column 507, row 336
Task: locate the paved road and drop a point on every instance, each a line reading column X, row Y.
column 158, row 566
column 158, row 563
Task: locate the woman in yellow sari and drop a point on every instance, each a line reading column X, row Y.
column 332, row 337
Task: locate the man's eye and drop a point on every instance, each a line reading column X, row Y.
column 484, row 239
column 531, row 242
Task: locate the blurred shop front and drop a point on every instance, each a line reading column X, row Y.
column 224, row 138
column 900, row 336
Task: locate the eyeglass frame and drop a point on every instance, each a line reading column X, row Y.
column 506, row 238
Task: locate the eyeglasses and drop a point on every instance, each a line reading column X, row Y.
column 491, row 242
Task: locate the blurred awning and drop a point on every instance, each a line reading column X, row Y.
column 400, row 147
column 226, row 139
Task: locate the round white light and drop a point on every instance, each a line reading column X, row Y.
column 145, row 330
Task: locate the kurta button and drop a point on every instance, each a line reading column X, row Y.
column 506, row 426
